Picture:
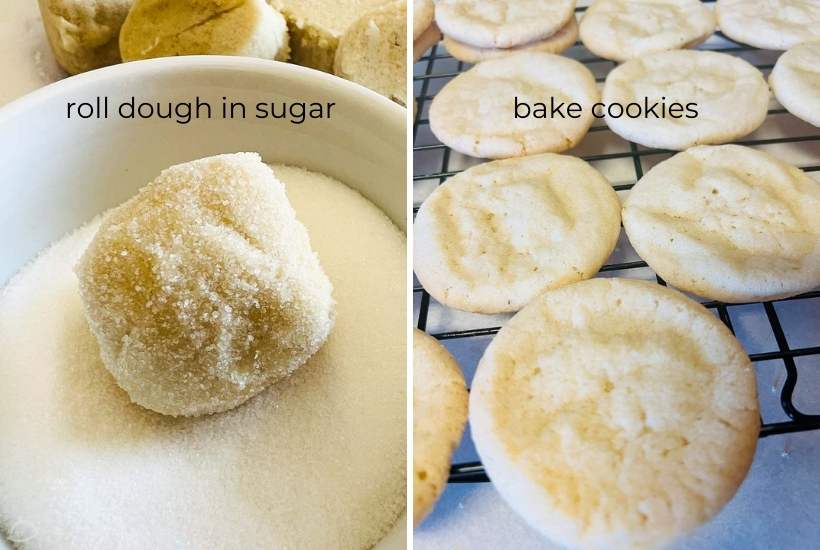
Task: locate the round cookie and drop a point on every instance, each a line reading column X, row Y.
column 493, row 237
column 474, row 112
column 625, row 29
column 422, row 16
column 427, row 40
column 439, row 416
column 556, row 43
column 502, row 23
column 729, row 223
column 731, row 98
column 159, row 28
column 769, row 24
column 795, row 81
column 615, row 413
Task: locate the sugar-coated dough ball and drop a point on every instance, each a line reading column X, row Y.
column 159, row 28
column 203, row 289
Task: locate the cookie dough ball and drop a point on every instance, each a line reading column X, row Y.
column 372, row 52
column 158, row 28
column 84, row 35
column 203, row 289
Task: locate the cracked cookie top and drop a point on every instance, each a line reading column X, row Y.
column 615, row 413
column 729, row 223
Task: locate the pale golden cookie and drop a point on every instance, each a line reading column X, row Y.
column 475, row 112
column 795, row 81
column 429, row 38
column 422, row 16
column 439, row 415
column 556, row 43
column 729, row 223
column 493, row 237
column 615, row 413
column 769, row 24
column 502, row 23
column 728, row 95
column 624, row 29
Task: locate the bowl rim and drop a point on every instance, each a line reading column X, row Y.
column 382, row 106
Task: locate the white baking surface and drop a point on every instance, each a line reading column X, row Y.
column 778, row 505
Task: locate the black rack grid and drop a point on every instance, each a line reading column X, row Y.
column 429, row 78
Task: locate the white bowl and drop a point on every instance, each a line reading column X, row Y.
column 56, row 173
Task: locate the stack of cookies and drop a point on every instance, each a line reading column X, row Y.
column 476, row 30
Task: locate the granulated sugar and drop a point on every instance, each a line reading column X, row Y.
column 317, row 461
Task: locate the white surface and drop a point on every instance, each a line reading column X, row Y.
column 779, row 503
column 26, row 61
column 58, row 173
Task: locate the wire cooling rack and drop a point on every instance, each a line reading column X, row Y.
column 782, row 337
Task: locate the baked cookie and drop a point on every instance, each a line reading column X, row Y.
column 502, row 23
column 475, row 112
column 556, row 43
column 729, row 223
column 373, row 51
column 624, row 29
column 795, row 81
column 427, row 40
column 769, row 24
column 615, row 413
column 439, row 415
column 423, row 11
column 158, row 28
column 729, row 96
column 493, row 237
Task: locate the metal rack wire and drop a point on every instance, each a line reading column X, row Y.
column 428, row 78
